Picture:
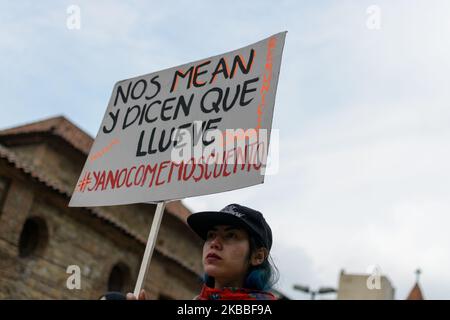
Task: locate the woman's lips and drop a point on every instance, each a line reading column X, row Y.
column 212, row 257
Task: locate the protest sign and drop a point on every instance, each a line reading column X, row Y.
column 166, row 135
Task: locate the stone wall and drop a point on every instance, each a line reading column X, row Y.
column 74, row 236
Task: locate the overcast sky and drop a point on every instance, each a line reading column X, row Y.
column 363, row 116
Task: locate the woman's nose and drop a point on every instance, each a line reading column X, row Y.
column 215, row 243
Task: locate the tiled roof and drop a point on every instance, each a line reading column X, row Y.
column 58, row 126
column 416, row 293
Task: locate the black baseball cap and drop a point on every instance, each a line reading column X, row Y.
column 235, row 215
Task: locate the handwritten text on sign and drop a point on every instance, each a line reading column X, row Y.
column 195, row 129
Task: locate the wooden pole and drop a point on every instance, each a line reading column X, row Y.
column 151, row 241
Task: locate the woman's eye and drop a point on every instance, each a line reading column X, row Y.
column 231, row 235
column 210, row 235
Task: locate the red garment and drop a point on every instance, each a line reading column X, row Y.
column 208, row 293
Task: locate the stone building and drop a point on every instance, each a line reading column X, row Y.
column 355, row 286
column 40, row 236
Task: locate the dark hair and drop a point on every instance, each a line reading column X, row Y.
column 261, row 277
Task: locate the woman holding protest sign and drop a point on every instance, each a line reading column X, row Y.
column 236, row 254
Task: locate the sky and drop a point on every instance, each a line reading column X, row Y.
column 362, row 110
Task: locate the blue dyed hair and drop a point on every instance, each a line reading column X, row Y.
column 261, row 277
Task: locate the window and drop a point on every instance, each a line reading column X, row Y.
column 34, row 237
column 119, row 278
column 4, row 185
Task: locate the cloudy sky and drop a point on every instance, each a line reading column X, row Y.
column 363, row 115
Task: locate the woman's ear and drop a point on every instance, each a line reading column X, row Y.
column 258, row 256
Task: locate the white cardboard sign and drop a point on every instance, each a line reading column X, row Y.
column 159, row 140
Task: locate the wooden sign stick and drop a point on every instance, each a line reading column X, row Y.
column 151, row 241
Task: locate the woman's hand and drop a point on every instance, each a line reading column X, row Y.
column 142, row 296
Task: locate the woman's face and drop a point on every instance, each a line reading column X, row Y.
column 226, row 255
